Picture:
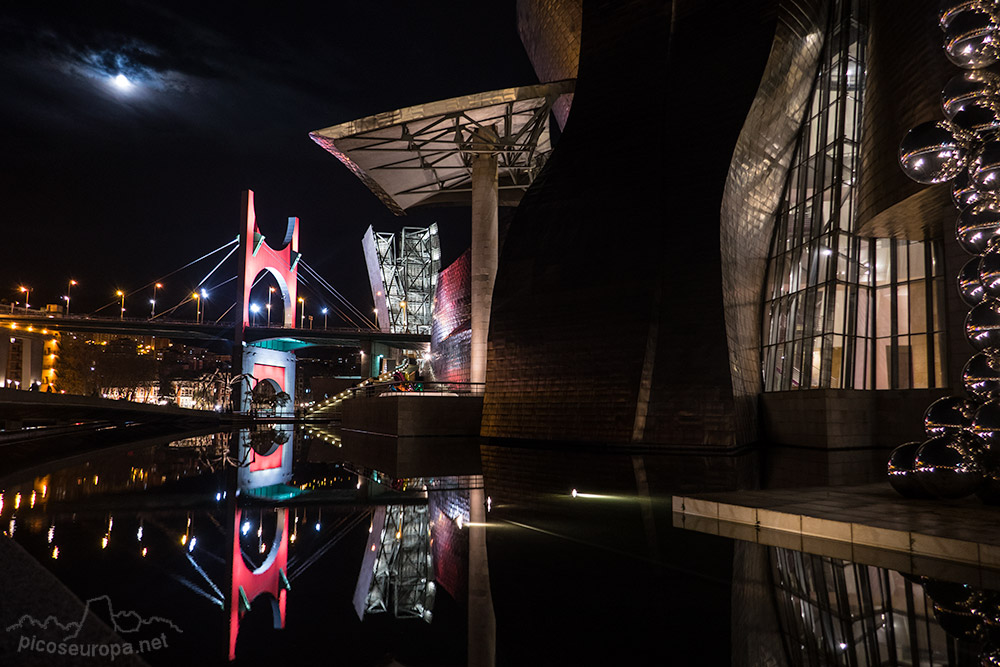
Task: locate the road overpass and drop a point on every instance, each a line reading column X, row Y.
column 208, row 331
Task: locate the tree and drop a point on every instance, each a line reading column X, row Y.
column 120, row 366
column 76, row 366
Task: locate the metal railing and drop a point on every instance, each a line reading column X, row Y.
column 418, row 388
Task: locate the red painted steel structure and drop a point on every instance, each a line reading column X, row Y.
column 256, row 256
column 269, row 578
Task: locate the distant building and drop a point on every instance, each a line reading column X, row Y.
column 403, row 273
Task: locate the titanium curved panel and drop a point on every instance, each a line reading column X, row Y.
column 753, row 191
column 550, row 31
column 906, row 71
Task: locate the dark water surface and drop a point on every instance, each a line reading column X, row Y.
column 154, row 536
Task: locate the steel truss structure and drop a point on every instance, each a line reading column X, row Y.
column 402, row 580
column 403, row 278
column 422, row 155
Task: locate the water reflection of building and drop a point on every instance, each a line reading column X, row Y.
column 827, row 611
column 402, row 575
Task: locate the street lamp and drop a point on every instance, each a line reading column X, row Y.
column 197, row 302
column 406, row 326
column 325, row 311
column 204, row 305
column 121, row 294
column 69, row 293
column 254, row 308
column 302, row 312
column 27, row 297
column 270, row 291
column 152, row 302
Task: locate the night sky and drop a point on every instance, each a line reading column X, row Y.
column 130, row 129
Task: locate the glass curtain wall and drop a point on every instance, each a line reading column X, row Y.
column 843, row 311
column 834, row 612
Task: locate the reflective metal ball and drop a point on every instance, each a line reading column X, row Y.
column 989, row 269
column 900, row 471
column 970, row 286
column 960, row 624
column 986, row 425
column 984, row 168
column 947, row 467
column 963, row 193
column 970, row 39
column 951, row 595
column 950, row 415
column 930, row 153
column 981, row 375
column 976, row 226
column 978, row 120
column 982, row 325
column 949, row 9
column 967, row 87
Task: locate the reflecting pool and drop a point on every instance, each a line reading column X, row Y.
column 291, row 544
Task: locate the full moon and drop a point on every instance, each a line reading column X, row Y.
column 121, row 82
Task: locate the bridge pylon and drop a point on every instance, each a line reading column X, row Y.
column 256, row 255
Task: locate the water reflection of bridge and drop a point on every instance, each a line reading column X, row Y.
column 220, row 513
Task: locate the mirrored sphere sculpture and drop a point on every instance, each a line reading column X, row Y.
column 989, row 269
column 976, row 226
column 986, row 425
column 968, row 87
column 900, row 470
column 981, row 375
column 978, row 120
column 984, row 168
column 950, row 415
column 982, row 325
column 962, row 191
column 960, row 624
column 970, row 287
column 947, row 468
column 949, row 9
column 969, row 39
column 951, row 595
column 930, row 153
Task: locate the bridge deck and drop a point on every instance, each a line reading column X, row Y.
column 208, row 331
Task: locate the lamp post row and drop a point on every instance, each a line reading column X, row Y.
column 197, row 296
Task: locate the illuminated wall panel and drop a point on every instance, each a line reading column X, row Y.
column 451, row 332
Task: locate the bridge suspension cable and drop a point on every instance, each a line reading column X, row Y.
column 342, row 528
column 322, row 281
column 178, row 270
column 344, row 316
column 189, row 297
column 332, row 290
column 209, row 274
